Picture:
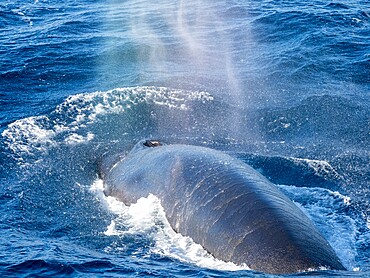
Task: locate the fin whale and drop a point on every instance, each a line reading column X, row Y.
column 223, row 204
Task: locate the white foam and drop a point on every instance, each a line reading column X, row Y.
column 320, row 167
column 74, row 138
column 69, row 121
column 24, row 135
column 346, row 199
column 146, row 217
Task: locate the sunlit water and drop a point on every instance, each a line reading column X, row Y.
column 281, row 85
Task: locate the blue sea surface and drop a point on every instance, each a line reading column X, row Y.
column 282, row 85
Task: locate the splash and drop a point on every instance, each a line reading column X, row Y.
column 147, row 218
column 75, row 120
column 320, row 167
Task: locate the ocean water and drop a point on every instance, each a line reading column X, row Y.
column 281, row 85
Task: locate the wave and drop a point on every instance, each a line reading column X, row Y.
column 39, row 267
column 316, row 44
column 295, row 171
column 50, row 268
column 81, row 116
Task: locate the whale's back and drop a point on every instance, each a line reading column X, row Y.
column 226, row 206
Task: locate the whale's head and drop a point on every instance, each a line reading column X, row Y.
column 107, row 162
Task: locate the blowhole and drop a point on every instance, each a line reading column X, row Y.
column 152, row 143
